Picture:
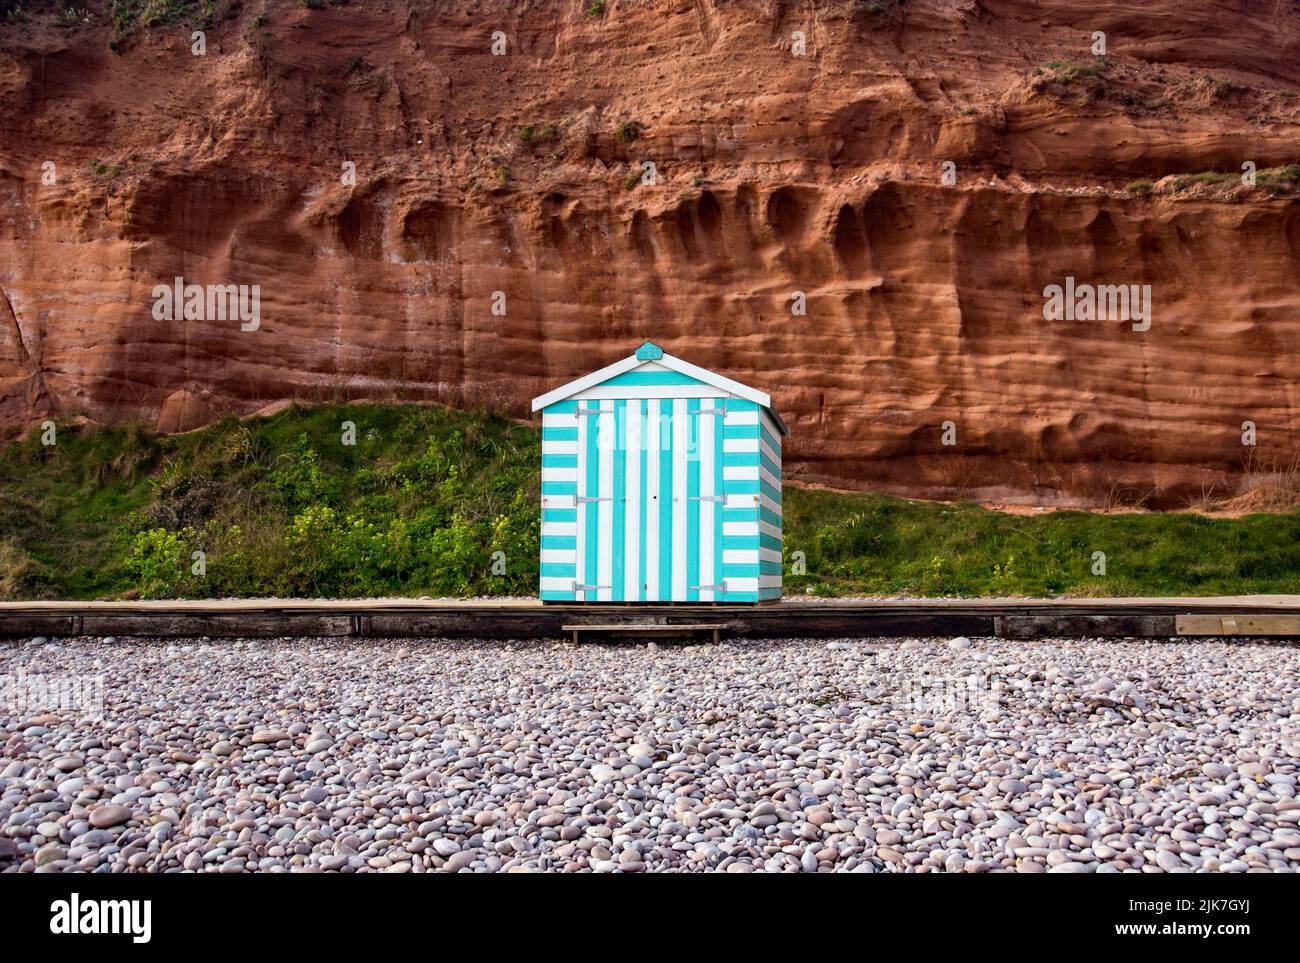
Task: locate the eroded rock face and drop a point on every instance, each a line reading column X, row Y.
column 774, row 174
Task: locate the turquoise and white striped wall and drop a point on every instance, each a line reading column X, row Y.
column 661, row 482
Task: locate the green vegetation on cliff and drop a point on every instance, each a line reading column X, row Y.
column 277, row 506
column 422, row 500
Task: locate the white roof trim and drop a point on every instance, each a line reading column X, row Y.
column 667, row 361
column 710, row 378
column 587, row 381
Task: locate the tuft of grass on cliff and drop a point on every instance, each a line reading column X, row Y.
column 280, row 506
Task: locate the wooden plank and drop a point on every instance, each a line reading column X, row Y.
column 250, row 625
column 1048, row 626
column 824, row 625
column 1281, row 626
column 463, row 625
column 25, row 626
column 651, row 627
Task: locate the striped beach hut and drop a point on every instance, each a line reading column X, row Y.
column 661, row 482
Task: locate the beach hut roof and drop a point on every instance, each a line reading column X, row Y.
column 651, row 354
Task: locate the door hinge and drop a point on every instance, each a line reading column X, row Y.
column 721, row 587
column 708, row 498
column 584, row 499
column 593, row 411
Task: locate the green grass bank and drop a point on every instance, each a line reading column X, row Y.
column 424, row 497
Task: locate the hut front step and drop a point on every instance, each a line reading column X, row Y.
column 657, row 628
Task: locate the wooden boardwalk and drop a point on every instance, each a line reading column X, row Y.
column 1254, row 616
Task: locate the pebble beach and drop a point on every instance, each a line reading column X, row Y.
column 856, row 755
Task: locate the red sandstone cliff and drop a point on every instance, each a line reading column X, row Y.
column 775, row 174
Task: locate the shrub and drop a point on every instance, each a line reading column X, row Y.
column 159, row 561
column 1068, row 71
column 1212, row 178
column 298, row 481
column 517, row 533
column 327, row 549
column 456, row 558
column 539, row 133
column 1279, row 180
column 126, row 14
